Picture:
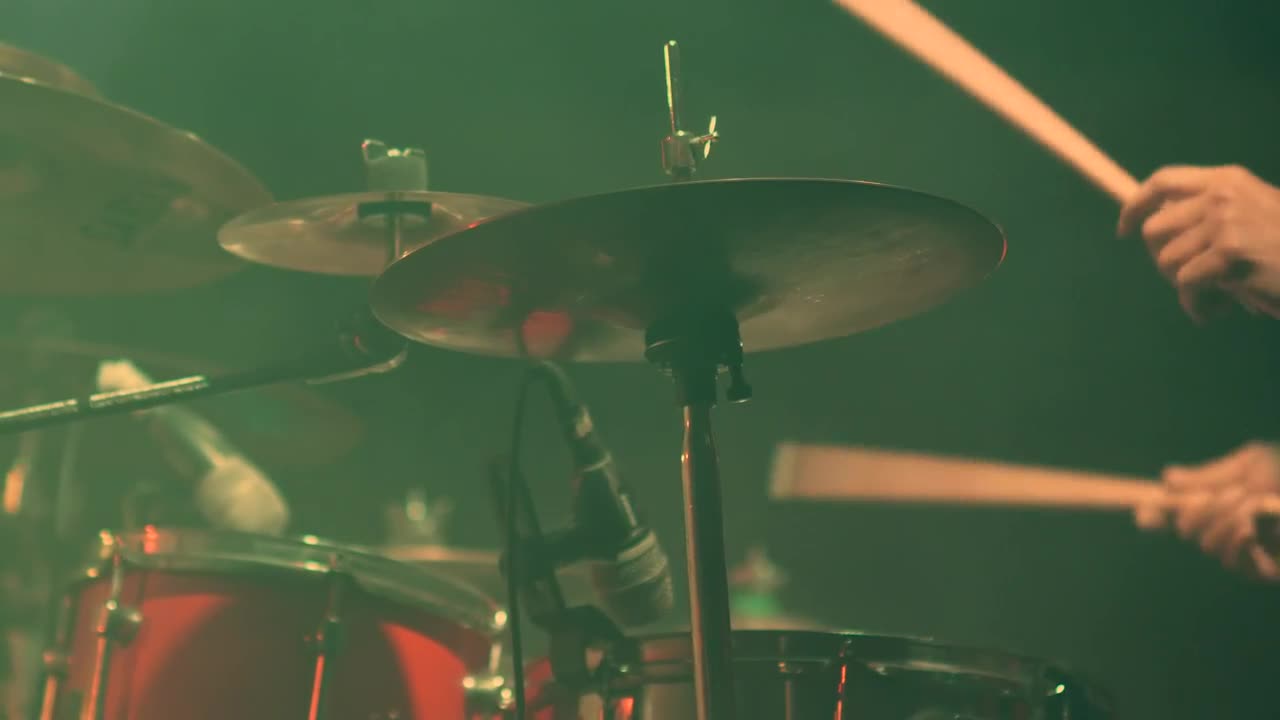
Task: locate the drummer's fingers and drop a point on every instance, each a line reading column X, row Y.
column 1150, row 516
column 1165, row 183
column 1229, row 521
column 1245, row 533
column 1226, row 470
column 1264, row 565
column 1193, row 513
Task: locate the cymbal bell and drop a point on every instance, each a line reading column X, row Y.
column 328, row 234
column 97, row 199
column 797, row 261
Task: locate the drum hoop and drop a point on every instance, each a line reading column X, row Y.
column 664, row 658
column 181, row 550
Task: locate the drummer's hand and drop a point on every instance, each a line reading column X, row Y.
column 1214, row 234
column 1217, row 504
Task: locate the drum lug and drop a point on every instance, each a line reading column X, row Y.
column 119, row 623
column 487, row 696
column 326, row 643
column 54, row 663
column 327, row 640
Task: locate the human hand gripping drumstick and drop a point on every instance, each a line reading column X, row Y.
column 818, row 472
column 825, row 473
column 1214, row 233
column 918, row 32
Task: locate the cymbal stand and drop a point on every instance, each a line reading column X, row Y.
column 41, row 505
column 682, row 150
column 364, row 346
column 693, row 344
column 394, row 171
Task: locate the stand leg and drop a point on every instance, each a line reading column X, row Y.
column 708, row 575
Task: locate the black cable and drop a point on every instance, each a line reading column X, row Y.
column 514, row 482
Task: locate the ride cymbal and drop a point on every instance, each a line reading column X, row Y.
column 346, row 235
column 797, row 261
column 98, row 199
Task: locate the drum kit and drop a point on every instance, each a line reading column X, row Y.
column 689, row 276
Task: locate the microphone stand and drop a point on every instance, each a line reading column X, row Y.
column 374, row 349
column 571, row 631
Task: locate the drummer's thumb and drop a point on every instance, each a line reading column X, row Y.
column 1149, row 516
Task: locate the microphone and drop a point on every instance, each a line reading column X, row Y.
column 630, row 571
column 230, row 491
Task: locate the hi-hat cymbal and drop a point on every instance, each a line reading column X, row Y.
column 796, row 260
column 479, row 568
column 99, row 199
column 280, row 425
column 328, row 234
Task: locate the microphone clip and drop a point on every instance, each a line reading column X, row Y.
column 572, row 631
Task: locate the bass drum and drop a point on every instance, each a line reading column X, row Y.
column 204, row 625
column 812, row 675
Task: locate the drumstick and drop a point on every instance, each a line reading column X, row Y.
column 933, row 43
column 816, row 472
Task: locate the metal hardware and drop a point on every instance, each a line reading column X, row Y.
column 681, row 150
column 394, row 171
column 117, row 625
column 54, row 662
column 487, row 696
column 327, row 642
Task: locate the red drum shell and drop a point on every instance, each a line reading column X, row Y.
column 229, row 624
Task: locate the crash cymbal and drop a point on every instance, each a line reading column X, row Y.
column 796, row 260
column 280, row 425
column 20, row 63
column 479, row 568
column 329, row 235
column 98, row 199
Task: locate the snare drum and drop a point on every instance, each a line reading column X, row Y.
column 818, row 675
column 193, row 625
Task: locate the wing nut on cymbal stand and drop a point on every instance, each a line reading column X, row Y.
column 682, row 150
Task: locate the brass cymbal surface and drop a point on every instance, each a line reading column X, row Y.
column 97, row 199
column 329, row 235
column 795, row 260
column 24, row 64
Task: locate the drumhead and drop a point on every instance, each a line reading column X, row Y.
column 183, row 550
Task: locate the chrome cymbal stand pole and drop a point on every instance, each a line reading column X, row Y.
column 693, row 345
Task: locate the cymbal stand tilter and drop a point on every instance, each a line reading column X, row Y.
column 693, row 343
column 394, row 171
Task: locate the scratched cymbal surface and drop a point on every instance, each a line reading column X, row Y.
column 98, row 199
column 797, row 261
